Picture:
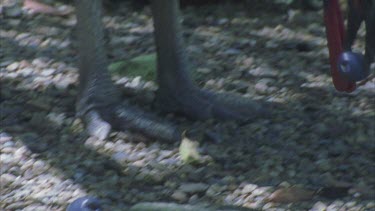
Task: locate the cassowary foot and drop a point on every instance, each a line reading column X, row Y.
column 202, row 104
column 195, row 103
column 100, row 121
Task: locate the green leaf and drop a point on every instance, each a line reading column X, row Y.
column 144, row 66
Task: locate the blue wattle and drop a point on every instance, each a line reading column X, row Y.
column 352, row 66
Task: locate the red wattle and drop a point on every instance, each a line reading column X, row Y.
column 335, row 37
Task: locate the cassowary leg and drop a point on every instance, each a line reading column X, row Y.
column 98, row 103
column 177, row 92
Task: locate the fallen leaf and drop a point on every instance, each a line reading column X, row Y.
column 291, row 195
column 189, row 150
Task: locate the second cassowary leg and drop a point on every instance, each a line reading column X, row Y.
column 177, row 92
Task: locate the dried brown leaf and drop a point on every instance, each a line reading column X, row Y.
column 291, row 195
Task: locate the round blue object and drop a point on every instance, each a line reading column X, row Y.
column 352, row 66
column 86, row 203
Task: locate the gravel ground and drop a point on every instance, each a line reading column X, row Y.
column 316, row 137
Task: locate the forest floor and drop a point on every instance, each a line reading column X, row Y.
column 316, row 139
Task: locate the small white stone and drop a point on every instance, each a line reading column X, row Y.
column 7, row 179
column 13, row 67
column 319, row 206
column 47, row 72
column 179, row 196
column 6, row 158
column 56, row 118
column 249, row 188
column 26, row 71
column 39, row 167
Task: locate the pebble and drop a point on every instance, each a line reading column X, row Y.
column 16, row 206
column 204, row 70
column 39, row 167
column 64, row 196
column 126, row 40
column 193, row 199
column 8, row 145
column 179, row 196
column 350, row 204
column 136, row 83
column 247, row 189
column 35, row 207
column 7, row 179
column 191, row 188
column 268, row 206
column 40, row 62
column 263, row 86
column 229, row 179
column 319, row 206
column 56, row 118
column 215, row 190
column 94, row 142
column 120, row 157
column 12, row 67
column 265, row 72
column 6, row 158
column 27, row 71
column 370, row 205
column 47, row 72
column 222, row 21
column 232, row 51
column 63, row 81
column 28, row 174
column 260, row 191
